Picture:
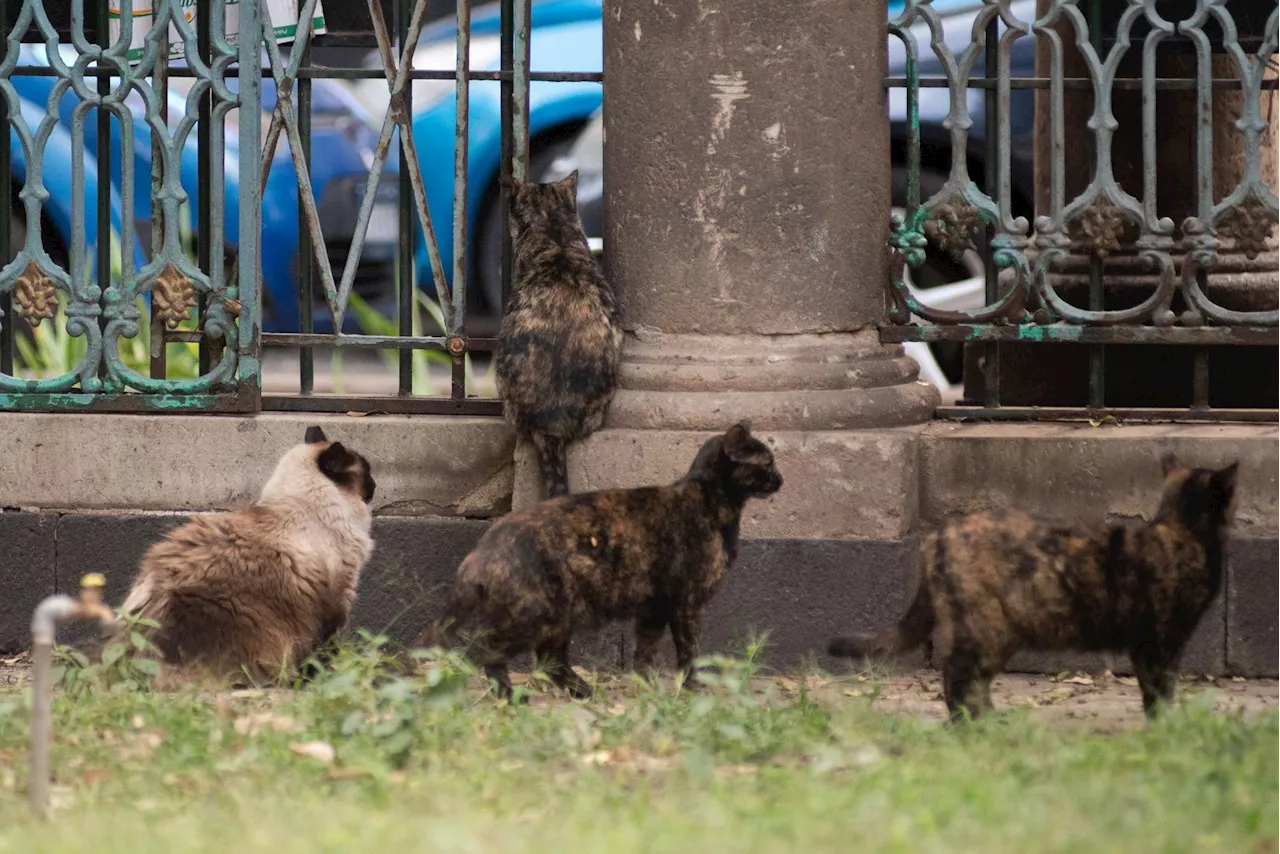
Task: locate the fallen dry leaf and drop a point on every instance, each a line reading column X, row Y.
column 138, row 722
column 354, row 414
column 256, row 723
column 150, row 740
column 346, row 773
column 788, row 684
column 1080, row 679
column 321, row 751
column 1057, row 695
column 852, row 692
column 95, row 775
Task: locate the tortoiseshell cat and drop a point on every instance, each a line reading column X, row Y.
column 656, row 554
column 557, row 356
column 994, row 583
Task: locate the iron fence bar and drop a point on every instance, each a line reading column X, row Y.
column 413, row 342
column 306, row 299
column 1063, row 333
column 7, row 318
column 204, row 171
column 461, row 145
column 399, row 117
column 507, row 142
column 376, row 405
column 159, row 351
column 404, row 245
column 1168, row 84
column 991, row 288
column 337, row 73
column 1098, row 352
column 103, row 122
column 248, row 256
column 1125, row 414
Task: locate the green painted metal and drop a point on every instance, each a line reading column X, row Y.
column 1181, row 259
column 102, row 292
column 102, row 302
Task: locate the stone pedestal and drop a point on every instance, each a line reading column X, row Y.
column 746, row 223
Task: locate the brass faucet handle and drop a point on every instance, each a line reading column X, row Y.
column 91, row 588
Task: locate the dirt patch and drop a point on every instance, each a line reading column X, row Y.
column 1099, row 702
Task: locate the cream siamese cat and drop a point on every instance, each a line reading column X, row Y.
column 257, row 590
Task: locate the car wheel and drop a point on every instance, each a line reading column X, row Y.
column 487, row 254
column 942, row 282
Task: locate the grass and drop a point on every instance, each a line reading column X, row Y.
column 429, row 762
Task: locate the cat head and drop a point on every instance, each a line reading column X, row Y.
column 318, row 463
column 1202, row 499
column 739, row 462
column 533, row 203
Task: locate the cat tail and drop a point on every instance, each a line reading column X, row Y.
column 552, row 462
column 912, row 630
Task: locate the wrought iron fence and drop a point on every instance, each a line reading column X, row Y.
column 1086, row 210
column 178, row 325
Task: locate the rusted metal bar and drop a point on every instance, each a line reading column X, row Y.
column 306, row 298
column 205, row 165
column 7, row 318
column 506, row 167
column 326, row 73
column 390, row 405
column 103, row 265
column 1123, row 414
column 404, row 246
column 44, row 622
column 379, row 342
column 1065, row 333
column 1167, row 84
column 160, row 81
column 399, row 117
column 991, row 287
column 462, row 140
column 456, row 325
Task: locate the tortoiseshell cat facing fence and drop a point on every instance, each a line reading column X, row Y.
column 994, row 583
column 558, row 348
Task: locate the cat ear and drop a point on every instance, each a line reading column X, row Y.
column 334, row 460
column 735, row 441
column 1224, row 480
column 570, row 183
column 1168, row 463
column 315, row 436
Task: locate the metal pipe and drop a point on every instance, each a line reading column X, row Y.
column 44, row 622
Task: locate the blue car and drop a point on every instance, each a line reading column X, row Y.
column 565, row 36
column 343, row 140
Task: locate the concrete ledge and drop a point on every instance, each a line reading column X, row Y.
column 1079, row 473
column 839, row 485
column 425, row 466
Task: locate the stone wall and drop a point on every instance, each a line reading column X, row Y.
column 834, row 551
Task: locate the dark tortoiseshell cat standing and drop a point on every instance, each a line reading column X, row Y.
column 996, row 583
column 557, row 359
column 656, row 554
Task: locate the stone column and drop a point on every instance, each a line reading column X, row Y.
column 746, row 222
